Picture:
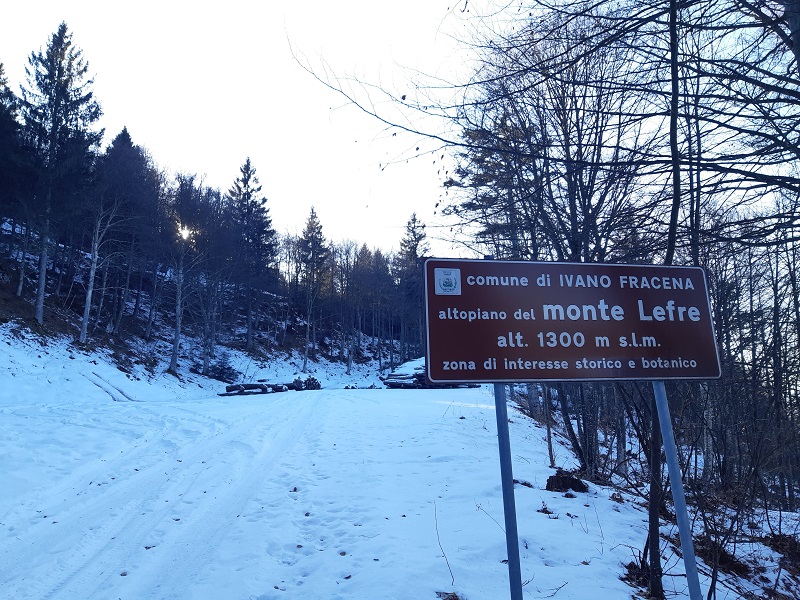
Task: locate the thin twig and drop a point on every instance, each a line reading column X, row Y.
column 438, row 539
column 555, row 591
column 480, row 508
column 448, row 407
column 600, row 525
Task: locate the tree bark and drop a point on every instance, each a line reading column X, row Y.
column 155, row 299
column 176, row 340
column 654, row 504
column 124, row 295
column 672, row 234
column 23, row 259
column 45, row 234
column 87, row 306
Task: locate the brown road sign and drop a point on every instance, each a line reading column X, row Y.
column 505, row 321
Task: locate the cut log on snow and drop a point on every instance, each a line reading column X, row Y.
column 243, row 389
column 416, row 379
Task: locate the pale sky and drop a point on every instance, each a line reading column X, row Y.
column 202, row 86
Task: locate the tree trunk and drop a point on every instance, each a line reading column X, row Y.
column 533, row 400
column 60, row 264
column 656, row 585
column 305, row 347
column 155, row 299
column 104, row 287
column 309, row 312
column 548, row 419
column 87, row 306
column 791, row 12
column 209, row 316
column 314, row 339
column 124, row 296
column 249, row 335
column 654, row 504
column 621, row 466
column 563, row 400
column 350, row 348
column 12, row 238
column 45, row 234
column 391, row 344
column 23, row 259
column 137, row 306
column 176, row 341
column 672, row 234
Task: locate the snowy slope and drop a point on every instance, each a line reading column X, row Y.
column 121, row 487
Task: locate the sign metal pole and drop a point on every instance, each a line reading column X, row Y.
column 678, row 498
column 507, row 480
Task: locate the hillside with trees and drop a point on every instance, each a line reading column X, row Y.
column 102, row 240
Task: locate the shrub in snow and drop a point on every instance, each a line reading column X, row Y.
column 222, row 370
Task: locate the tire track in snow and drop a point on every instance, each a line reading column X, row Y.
column 190, row 554
column 178, row 505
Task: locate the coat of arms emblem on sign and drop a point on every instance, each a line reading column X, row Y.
column 448, row 282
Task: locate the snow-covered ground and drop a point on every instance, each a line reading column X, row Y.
column 115, row 486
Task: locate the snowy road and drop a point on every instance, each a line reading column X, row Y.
column 249, row 495
column 165, row 486
column 116, row 488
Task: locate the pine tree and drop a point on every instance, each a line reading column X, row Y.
column 414, row 244
column 16, row 172
column 58, row 110
column 11, row 156
column 257, row 246
column 314, row 254
column 413, row 247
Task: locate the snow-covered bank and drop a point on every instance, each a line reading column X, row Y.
column 117, row 487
